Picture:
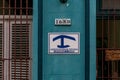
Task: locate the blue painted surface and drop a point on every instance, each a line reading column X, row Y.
column 87, row 38
column 92, row 40
column 35, row 41
column 64, row 67
column 40, row 49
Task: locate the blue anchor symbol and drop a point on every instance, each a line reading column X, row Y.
column 62, row 40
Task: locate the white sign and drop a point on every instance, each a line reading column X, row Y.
column 63, row 21
column 64, row 43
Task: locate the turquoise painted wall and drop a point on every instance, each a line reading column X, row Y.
column 35, row 41
column 64, row 67
column 92, row 40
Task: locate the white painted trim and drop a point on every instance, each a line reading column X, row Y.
column 13, row 17
column 30, row 50
column 6, row 51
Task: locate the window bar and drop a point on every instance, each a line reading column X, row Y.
column 117, row 68
column 108, row 46
column 118, row 63
column 21, row 40
column 114, row 29
column 9, row 46
column 102, row 47
column 3, row 8
column 108, row 28
column 117, row 35
column 27, row 40
column 99, row 75
column 97, row 65
column 14, row 58
column 114, row 43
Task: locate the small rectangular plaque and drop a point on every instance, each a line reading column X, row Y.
column 63, row 21
column 64, row 43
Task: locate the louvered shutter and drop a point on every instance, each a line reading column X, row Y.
column 21, row 52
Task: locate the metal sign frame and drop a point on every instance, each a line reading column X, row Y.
column 59, row 46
